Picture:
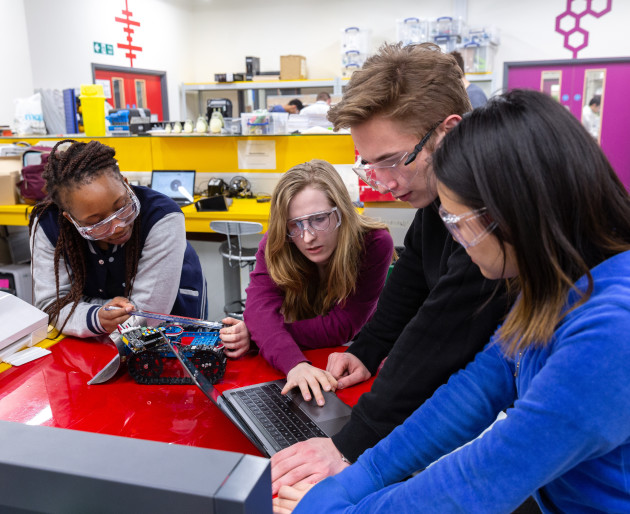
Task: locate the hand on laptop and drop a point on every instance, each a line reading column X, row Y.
column 310, row 379
column 288, row 497
column 235, row 337
column 307, row 461
column 347, row 369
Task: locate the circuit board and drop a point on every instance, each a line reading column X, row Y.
column 150, row 361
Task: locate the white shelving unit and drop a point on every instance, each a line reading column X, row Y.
column 487, row 81
column 197, row 88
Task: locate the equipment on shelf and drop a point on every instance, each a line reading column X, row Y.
column 128, row 121
column 240, row 188
column 223, row 105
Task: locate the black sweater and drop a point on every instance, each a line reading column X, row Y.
column 430, row 322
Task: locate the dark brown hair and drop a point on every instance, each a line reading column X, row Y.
column 554, row 195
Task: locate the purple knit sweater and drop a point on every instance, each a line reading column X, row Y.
column 280, row 342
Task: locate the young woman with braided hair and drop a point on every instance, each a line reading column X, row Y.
column 97, row 241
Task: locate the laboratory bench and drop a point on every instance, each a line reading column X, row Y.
column 241, row 209
column 53, row 391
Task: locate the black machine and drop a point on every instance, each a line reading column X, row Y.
column 216, row 186
column 223, row 105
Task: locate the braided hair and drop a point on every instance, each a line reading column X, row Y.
column 78, row 165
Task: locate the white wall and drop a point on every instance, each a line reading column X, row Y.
column 15, row 58
column 60, row 35
column 278, row 27
column 194, row 39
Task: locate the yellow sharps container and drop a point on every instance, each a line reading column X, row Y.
column 93, row 109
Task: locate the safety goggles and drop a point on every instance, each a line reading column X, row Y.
column 397, row 163
column 318, row 221
column 470, row 228
column 106, row 228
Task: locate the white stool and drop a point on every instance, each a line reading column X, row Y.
column 235, row 257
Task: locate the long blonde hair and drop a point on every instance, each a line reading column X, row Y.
column 305, row 295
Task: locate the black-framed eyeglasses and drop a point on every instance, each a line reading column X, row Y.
column 398, row 161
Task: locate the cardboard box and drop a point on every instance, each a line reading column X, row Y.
column 10, row 163
column 8, row 187
column 292, row 67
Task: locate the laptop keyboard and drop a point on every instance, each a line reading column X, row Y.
column 278, row 415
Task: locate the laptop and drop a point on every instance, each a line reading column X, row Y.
column 179, row 185
column 271, row 421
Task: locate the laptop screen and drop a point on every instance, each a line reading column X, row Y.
column 174, row 183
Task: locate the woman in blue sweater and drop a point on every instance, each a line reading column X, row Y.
column 532, row 198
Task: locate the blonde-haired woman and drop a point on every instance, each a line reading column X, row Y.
column 319, row 271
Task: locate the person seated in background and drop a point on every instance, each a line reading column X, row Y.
column 541, row 206
column 98, row 242
column 436, row 310
column 591, row 118
column 293, row 107
column 320, row 107
column 319, row 271
column 475, row 93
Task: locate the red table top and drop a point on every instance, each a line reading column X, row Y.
column 53, row 391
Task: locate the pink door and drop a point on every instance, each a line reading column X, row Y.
column 574, row 83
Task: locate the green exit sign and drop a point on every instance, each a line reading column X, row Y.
column 102, row 48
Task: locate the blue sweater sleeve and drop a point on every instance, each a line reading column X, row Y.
column 568, row 430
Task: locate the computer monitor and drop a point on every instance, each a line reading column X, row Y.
column 47, row 469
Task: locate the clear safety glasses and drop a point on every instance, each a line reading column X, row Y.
column 318, row 221
column 106, row 228
column 397, row 163
column 470, row 228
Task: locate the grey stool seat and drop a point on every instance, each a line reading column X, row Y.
column 235, row 257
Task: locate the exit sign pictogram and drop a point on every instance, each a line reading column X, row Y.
column 102, row 48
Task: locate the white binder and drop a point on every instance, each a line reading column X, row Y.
column 22, row 325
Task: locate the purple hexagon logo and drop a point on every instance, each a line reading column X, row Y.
column 568, row 22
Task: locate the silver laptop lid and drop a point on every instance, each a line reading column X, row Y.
column 197, row 377
column 176, row 184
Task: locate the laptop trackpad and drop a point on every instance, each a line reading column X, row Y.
column 333, row 409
